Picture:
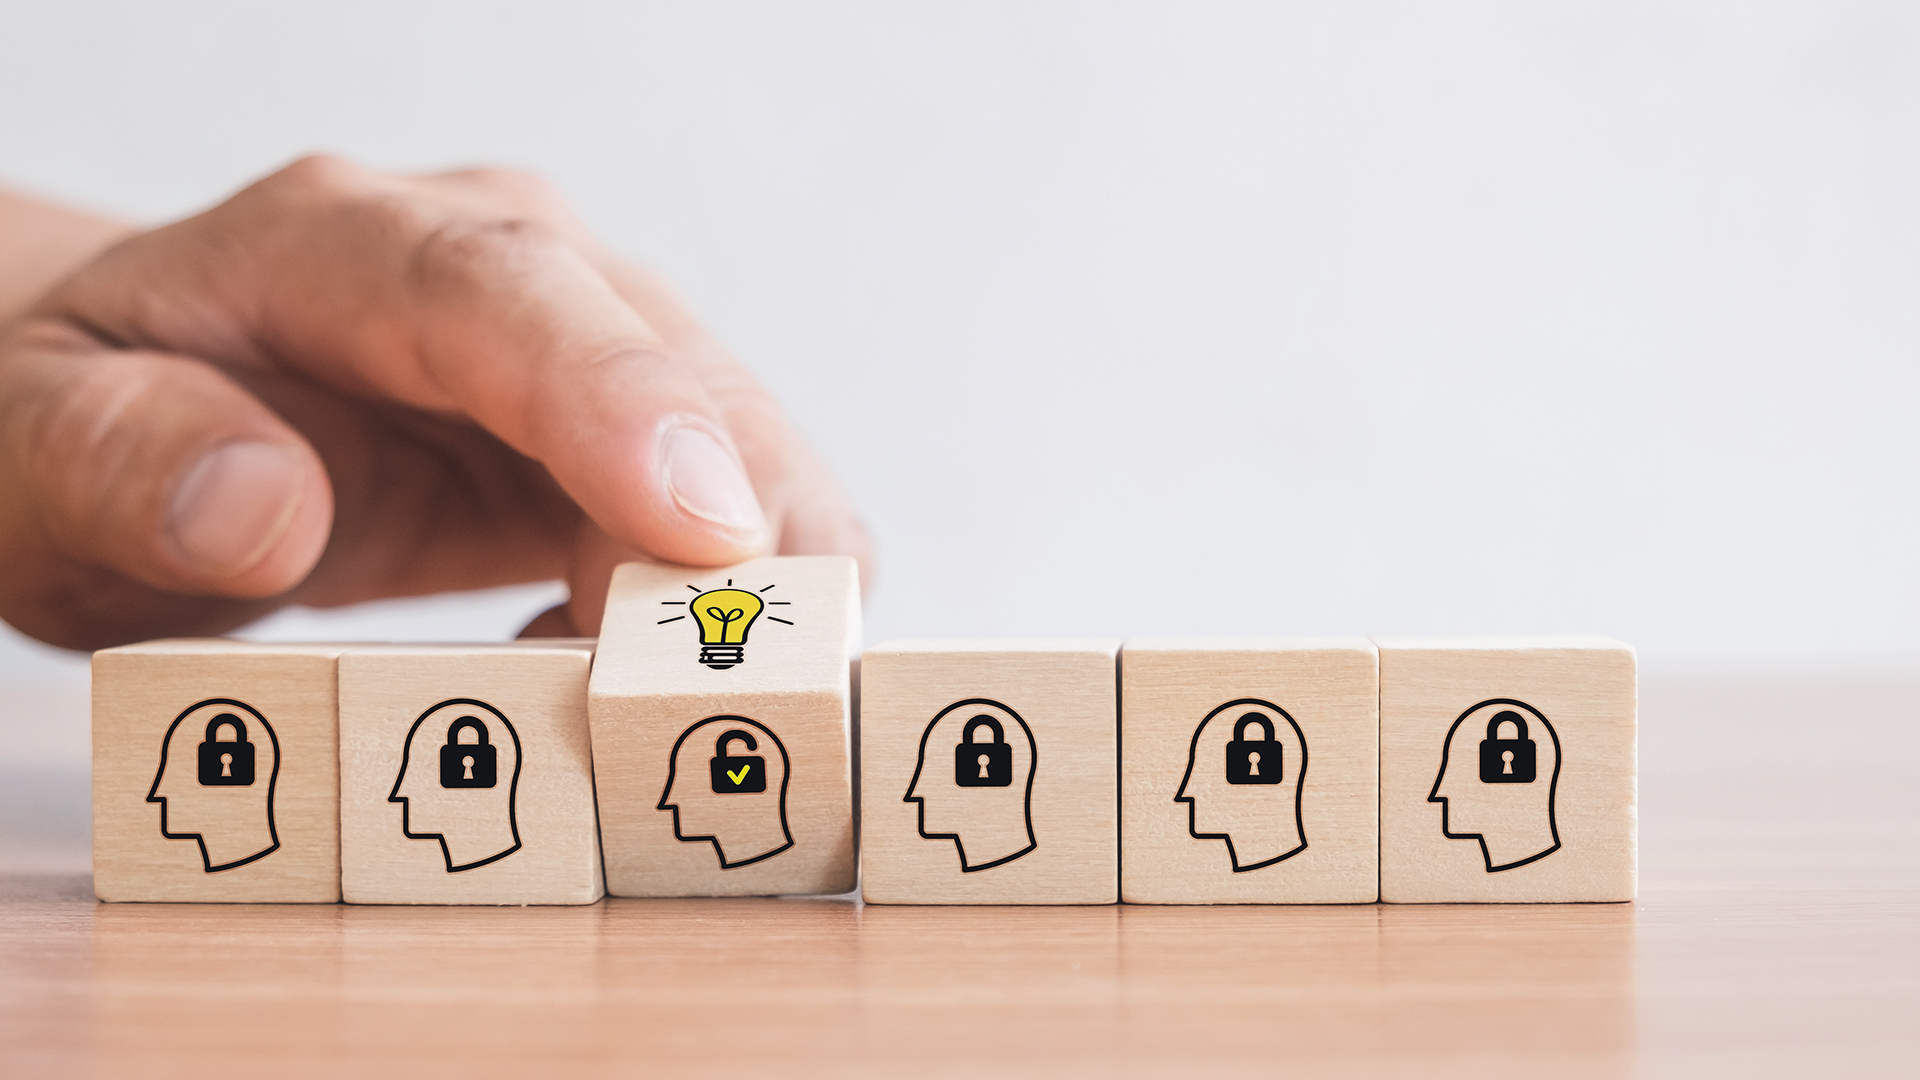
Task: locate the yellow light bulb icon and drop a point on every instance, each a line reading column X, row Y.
column 724, row 616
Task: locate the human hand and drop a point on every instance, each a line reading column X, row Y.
column 341, row 385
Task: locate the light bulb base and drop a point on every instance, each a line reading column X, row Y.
column 722, row 657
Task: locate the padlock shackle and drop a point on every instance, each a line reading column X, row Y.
column 1509, row 716
column 473, row 722
column 239, row 727
column 720, row 744
column 1266, row 727
column 999, row 733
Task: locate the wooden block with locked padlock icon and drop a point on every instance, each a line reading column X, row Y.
column 721, row 712
column 1249, row 770
column 1507, row 770
column 215, row 772
column 1028, row 813
column 466, row 774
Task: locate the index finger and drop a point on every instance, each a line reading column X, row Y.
column 363, row 283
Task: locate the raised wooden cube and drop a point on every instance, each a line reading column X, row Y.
column 989, row 773
column 216, row 772
column 466, row 775
column 721, row 717
column 1507, row 770
column 1250, row 771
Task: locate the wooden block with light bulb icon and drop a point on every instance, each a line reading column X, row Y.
column 1250, row 771
column 216, row 772
column 989, row 773
column 1507, row 770
column 466, row 774
column 720, row 708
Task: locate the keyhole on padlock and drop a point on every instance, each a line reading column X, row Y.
column 226, row 764
column 1507, row 757
column 1253, row 763
column 983, row 768
column 468, row 762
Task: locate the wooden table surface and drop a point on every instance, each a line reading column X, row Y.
column 1778, row 933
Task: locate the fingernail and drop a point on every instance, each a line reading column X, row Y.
column 708, row 482
column 233, row 505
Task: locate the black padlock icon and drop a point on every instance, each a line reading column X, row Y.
column 226, row 764
column 978, row 764
column 737, row 774
column 1506, row 761
column 1250, row 762
column 468, row 765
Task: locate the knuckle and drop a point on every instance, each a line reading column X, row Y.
column 464, row 253
column 517, row 193
column 523, row 187
column 322, row 174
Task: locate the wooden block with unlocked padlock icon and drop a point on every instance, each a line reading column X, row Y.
column 721, row 706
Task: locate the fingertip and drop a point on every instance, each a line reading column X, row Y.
column 690, row 500
column 706, row 478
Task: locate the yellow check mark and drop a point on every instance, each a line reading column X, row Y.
column 737, row 777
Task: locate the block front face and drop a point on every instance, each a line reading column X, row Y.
column 720, row 712
column 988, row 773
column 466, row 775
column 1250, row 771
column 215, row 773
column 1507, row 770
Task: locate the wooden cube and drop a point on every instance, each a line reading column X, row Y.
column 466, row 775
column 1507, row 770
column 721, row 722
column 1250, row 771
column 216, row 773
column 989, row 773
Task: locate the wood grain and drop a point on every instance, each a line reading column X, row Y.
column 531, row 837
column 655, row 703
column 1051, row 835
column 1777, row 934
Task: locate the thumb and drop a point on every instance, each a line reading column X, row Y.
column 162, row 468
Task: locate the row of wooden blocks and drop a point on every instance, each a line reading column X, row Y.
column 707, row 745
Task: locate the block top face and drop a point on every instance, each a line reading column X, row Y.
column 226, row 647
column 988, row 647
column 1247, row 644
column 569, row 646
column 787, row 622
column 1501, row 644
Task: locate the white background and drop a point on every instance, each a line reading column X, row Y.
column 1169, row 318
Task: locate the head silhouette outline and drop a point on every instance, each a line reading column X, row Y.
column 459, row 778
column 727, row 785
column 1499, row 768
column 1239, row 791
column 974, row 783
column 219, row 762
